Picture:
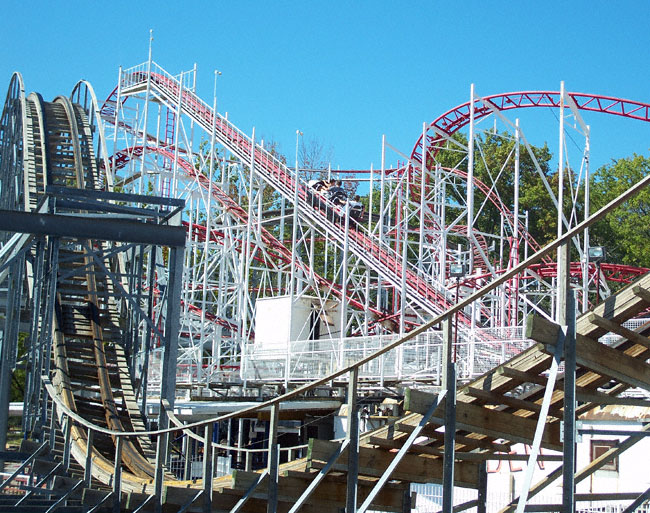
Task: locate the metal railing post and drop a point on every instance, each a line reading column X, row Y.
column 117, row 475
column 353, row 448
column 569, row 442
column 450, row 420
column 207, row 468
column 88, row 471
column 272, row 499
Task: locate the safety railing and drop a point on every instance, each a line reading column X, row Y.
column 420, row 359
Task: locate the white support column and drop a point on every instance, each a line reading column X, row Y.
column 380, row 233
column 441, row 194
column 247, row 249
column 344, row 275
column 585, row 250
column 562, row 260
column 116, row 122
column 176, row 136
column 146, row 113
column 423, row 183
column 470, row 181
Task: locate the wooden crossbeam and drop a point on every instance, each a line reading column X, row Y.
column 329, row 493
column 542, row 330
column 494, row 398
column 465, row 441
column 490, row 422
column 412, row 468
column 524, row 377
column 611, row 362
column 641, row 293
column 465, row 456
column 617, row 329
column 593, row 396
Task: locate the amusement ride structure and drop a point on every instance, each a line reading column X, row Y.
column 152, row 253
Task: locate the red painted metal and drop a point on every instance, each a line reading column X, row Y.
column 458, row 117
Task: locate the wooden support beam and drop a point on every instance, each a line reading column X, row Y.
column 490, row 422
column 464, row 456
column 611, row 362
column 524, row 377
column 617, row 329
column 593, row 396
column 330, row 492
column 542, row 330
column 496, row 399
column 641, row 293
column 412, row 468
column 464, row 441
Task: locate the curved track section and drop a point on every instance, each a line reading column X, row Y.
column 450, row 122
column 89, row 364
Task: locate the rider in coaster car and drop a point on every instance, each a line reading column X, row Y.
column 356, row 208
column 336, row 193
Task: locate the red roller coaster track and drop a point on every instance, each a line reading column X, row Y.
column 453, row 120
column 458, row 117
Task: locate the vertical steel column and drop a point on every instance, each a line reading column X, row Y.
column 151, row 278
column 240, row 440
column 9, row 345
column 116, row 124
column 423, row 184
column 481, row 507
column 88, row 470
column 353, row 447
column 170, row 356
column 45, row 338
column 172, row 325
column 563, row 251
column 380, row 234
column 274, row 453
column 292, row 277
column 208, row 470
column 569, row 443
column 117, row 475
column 344, row 276
column 441, row 194
column 33, row 375
column 450, row 420
column 179, row 111
column 245, row 264
column 515, row 229
column 585, row 250
column 145, row 115
column 470, row 181
column 281, row 238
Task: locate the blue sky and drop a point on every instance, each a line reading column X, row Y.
column 346, row 72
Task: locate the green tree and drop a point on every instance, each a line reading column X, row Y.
column 625, row 231
column 494, row 156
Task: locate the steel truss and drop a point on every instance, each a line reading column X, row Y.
column 248, row 242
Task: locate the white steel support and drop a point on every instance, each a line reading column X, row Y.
column 423, row 182
column 585, row 249
column 470, row 181
column 146, row 114
column 174, row 184
column 344, row 276
column 562, row 262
